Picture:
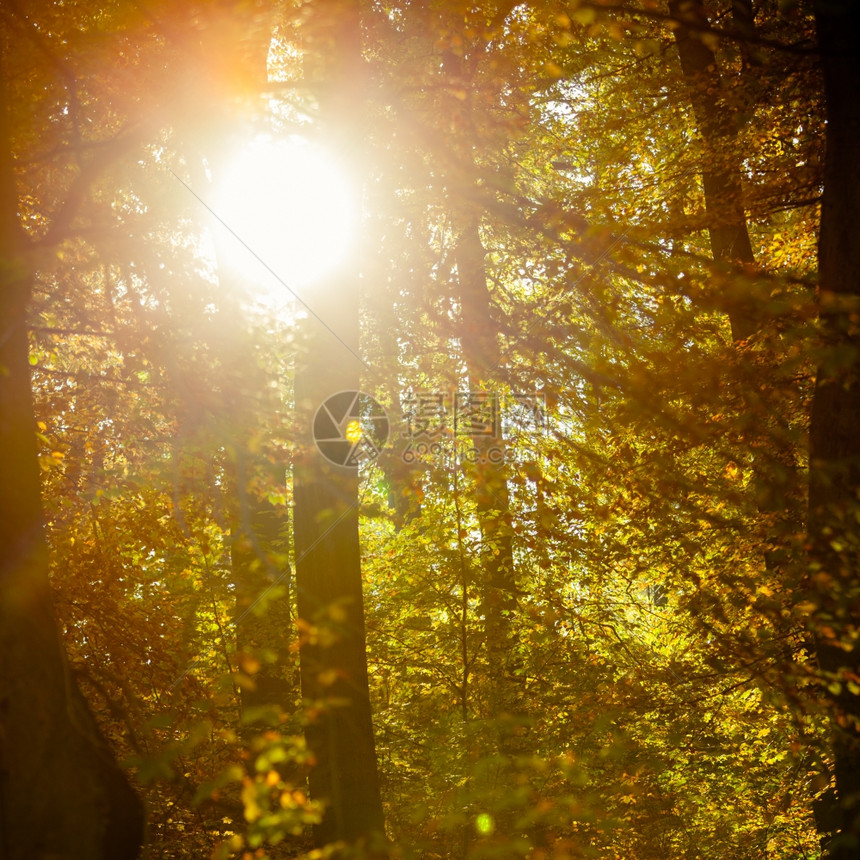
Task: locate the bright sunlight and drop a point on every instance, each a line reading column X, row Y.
column 288, row 211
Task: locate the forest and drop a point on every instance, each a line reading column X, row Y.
column 429, row 429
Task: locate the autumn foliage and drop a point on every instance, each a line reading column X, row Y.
column 604, row 624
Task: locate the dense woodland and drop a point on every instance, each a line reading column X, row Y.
column 622, row 623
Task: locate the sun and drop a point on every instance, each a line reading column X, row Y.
column 286, row 216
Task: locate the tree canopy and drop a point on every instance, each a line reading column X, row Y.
column 429, row 429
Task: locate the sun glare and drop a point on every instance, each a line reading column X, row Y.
column 285, row 209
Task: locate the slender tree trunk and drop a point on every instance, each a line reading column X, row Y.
column 258, row 543
column 721, row 171
column 478, row 339
column 328, row 560
column 779, row 492
column 492, row 497
column 478, row 335
column 263, row 626
column 62, row 794
column 834, row 443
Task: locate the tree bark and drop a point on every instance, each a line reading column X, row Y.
column 463, row 112
column 721, row 171
column 235, row 45
column 834, row 441
column 328, row 560
column 492, row 497
column 62, row 795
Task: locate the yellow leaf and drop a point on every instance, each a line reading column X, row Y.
column 249, row 799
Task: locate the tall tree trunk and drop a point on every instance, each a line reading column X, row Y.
column 492, row 497
column 721, row 171
column 328, row 560
column 62, row 794
column 730, row 241
column 258, row 544
column 233, row 41
column 834, row 442
column 478, row 335
column 478, row 339
column 780, row 491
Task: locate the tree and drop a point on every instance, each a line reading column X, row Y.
column 328, row 559
column 834, row 444
column 535, row 220
column 61, row 791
